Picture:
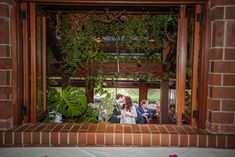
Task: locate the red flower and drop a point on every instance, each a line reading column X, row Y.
column 173, row 155
column 160, row 74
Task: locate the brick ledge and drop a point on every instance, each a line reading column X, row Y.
column 73, row 134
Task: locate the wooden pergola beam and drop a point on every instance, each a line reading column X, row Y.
column 129, row 2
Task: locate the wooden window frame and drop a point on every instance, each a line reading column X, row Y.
column 181, row 51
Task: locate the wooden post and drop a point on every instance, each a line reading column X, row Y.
column 164, row 102
column 202, row 95
column 143, row 91
column 33, row 62
column 196, row 47
column 25, row 49
column 181, row 63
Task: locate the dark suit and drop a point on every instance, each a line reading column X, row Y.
column 140, row 112
column 116, row 113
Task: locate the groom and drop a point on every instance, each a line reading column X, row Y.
column 115, row 118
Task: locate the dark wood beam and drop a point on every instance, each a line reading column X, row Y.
column 127, row 2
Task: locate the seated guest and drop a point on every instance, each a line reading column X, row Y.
column 157, row 114
column 128, row 112
column 172, row 114
column 144, row 113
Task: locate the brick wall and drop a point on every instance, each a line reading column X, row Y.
column 221, row 84
column 5, row 65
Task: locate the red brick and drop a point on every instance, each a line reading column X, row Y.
column 4, row 10
column 64, row 137
column 216, row 54
column 136, row 128
column 67, row 127
column 118, row 128
column 193, row 140
column 214, row 79
column 100, row 138
column 211, row 140
column 155, row 139
column 170, row 128
column 137, row 139
column 82, row 138
column 230, row 12
column 54, row 138
column 27, row 137
column 221, row 141
column 145, row 129
column 75, row 128
column 127, row 138
column 230, row 38
column 212, row 127
column 222, row 2
column 202, row 141
column 223, row 67
column 183, row 140
column 73, row 138
column 180, row 129
column 213, row 105
column 174, row 139
column 8, row 137
column 188, row 129
column 228, row 105
column 165, row 139
column 5, row 124
column 118, row 138
column 110, row 129
column 5, row 77
column 229, row 80
column 153, row 128
column 146, row 138
column 221, row 117
column 55, row 134
column 6, row 109
column 218, row 34
column 228, row 129
column 4, row 31
column 45, row 138
column 91, row 138
column 5, row 93
column 93, row 128
column 216, row 13
column 162, row 130
column 109, row 139
column 222, row 92
column 4, row 51
column 1, row 137
column 84, row 127
column 230, row 141
column 101, row 128
column 36, row 137
column 6, row 63
column 230, row 54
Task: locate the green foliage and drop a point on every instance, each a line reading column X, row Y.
column 79, row 34
column 105, row 102
column 71, row 103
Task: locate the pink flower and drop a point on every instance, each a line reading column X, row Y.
column 173, row 155
column 123, row 18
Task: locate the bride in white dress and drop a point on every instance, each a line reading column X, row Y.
column 128, row 112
